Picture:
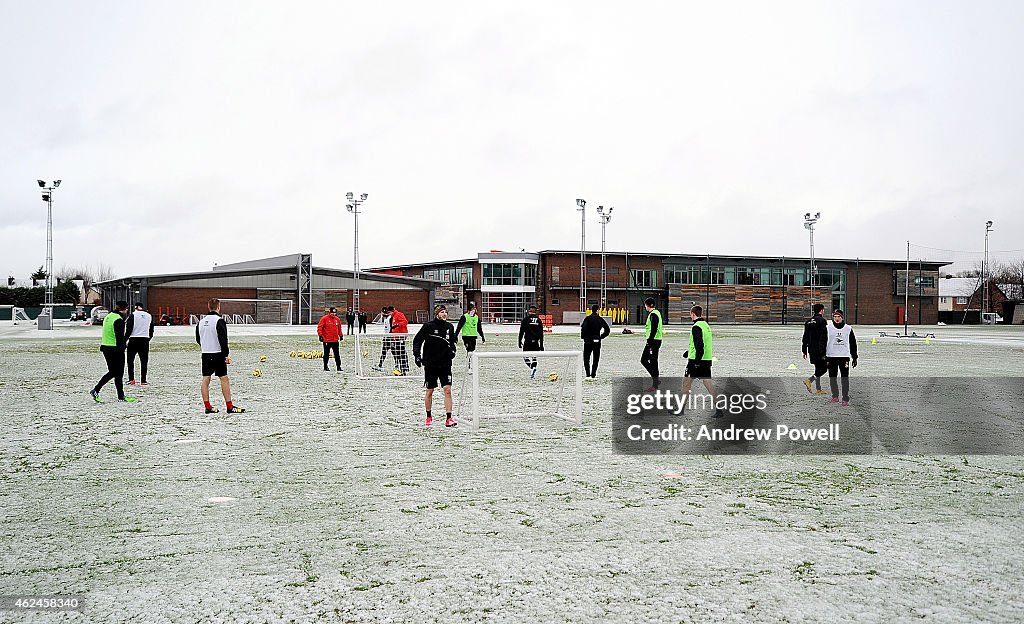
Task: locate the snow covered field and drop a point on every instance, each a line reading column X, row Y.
column 330, row 501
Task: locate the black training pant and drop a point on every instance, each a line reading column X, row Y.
column 820, row 368
column 327, row 354
column 839, row 366
column 115, row 369
column 649, row 360
column 140, row 347
column 470, row 342
column 350, row 325
column 591, row 346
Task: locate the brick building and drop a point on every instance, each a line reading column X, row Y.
column 732, row 289
column 292, row 278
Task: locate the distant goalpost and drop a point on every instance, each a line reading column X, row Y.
column 13, row 314
column 254, row 312
column 556, row 391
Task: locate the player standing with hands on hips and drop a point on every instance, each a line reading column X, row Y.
column 212, row 336
column 434, row 349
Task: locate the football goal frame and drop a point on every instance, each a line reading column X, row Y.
column 573, row 413
column 373, row 344
column 17, row 315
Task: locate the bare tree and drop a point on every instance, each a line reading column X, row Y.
column 1011, row 273
column 104, row 272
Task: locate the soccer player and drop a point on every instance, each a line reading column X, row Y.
column 212, row 336
column 434, row 349
column 840, row 350
column 531, row 337
column 139, row 329
column 698, row 355
column 112, row 347
column 653, row 332
column 386, row 344
column 329, row 332
column 350, row 319
column 593, row 330
column 400, row 326
column 813, row 347
column 471, row 329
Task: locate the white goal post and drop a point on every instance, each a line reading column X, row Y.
column 257, row 311
column 15, row 315
column 569, row 372
column 384, row 356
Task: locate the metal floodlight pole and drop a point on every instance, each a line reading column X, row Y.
column 47, row 192
column 582, row 207
column 353, row 207
column 809, row 222
column 984, row 275
column 906, row 292
column 605, row 217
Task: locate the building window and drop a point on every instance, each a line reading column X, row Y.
column 509, row 274
column 961, row 300
column 455, row 275
column 924, row 282
column 555, row 302
column 643, row 278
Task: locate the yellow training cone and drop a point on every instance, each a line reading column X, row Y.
column 874, row 341
column 791, row 367
column 927, row 340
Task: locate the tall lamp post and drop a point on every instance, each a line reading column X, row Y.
column 605, row 217
column 984, row 275
column 48, row 198
column 582, row 203
column 353, row 207
column 809, row 222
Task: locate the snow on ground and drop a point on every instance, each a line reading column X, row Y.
column 330, row 501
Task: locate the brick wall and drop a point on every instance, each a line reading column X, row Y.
column 567, row 288
column 192, row 300
column 875, row 303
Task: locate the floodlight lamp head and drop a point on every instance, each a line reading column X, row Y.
column 988, row 225
column 56, row 184
column 582, row 203
column 41, row 184
column 363, row 196
column 807, row 215
column 46, row 197
column 349, row 195
column 350, row 207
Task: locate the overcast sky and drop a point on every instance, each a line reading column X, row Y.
column 189, row 133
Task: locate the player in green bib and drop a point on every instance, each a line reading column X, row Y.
column 699, row 357
column 112, row 346
column 653, row 332
column 471, row 328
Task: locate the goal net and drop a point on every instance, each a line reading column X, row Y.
column 257, row 311
column 13, row 314
column 501, row 386
column 379, row 356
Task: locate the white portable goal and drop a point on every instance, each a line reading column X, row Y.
column 13, row 314
column 503, row 387
column 384, row 356
column 257, row 311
